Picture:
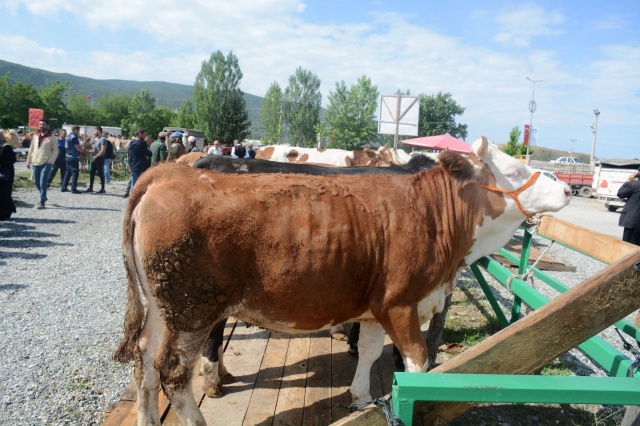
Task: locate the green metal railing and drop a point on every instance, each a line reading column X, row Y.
column 411, row 387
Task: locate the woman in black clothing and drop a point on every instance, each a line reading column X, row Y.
column 7, row 173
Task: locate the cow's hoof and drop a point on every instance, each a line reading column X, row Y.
column 353, row 350
column 227, row 378
column 213, row 391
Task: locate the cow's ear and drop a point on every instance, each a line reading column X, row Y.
column 370, row 153
column 456, row 165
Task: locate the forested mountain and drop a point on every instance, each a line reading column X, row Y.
column 171, row 95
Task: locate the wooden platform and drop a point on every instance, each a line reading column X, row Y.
column 279, row 380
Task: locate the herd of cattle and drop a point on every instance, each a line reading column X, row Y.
column 316, row 247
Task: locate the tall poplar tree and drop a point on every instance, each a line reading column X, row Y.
column 220, row 108
column 350, row 119
column 272, row 113
column 302, row 101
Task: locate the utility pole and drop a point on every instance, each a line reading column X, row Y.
column 595, row 131
column 532, row 109
column 573, row 142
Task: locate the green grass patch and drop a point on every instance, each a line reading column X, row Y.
column 23, row 179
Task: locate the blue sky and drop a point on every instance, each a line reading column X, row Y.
column 586, row 52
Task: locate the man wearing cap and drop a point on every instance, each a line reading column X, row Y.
column 159, row 149
column 175, row 149
column 42, row 153
column 630, row 216
column 192, row 144
column 139, row 156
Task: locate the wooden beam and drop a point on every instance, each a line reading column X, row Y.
column 538, row 338
column 599, row 246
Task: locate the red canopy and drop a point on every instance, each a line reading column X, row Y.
column 440, row 143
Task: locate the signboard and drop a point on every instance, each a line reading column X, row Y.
column 35, row 115
column 526, row 135
column 399, row 115
column 533, row 139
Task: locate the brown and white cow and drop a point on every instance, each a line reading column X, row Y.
column 332, row 157
column 312, row 252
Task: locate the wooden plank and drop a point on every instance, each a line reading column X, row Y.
column 599, row 246
column 538, row 338
column 317, row 398
column 289, row 409
column 546, row 263
column 265, row 394
column 242, row 358
column 116, row 412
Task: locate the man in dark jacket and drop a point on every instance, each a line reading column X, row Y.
column 139, row 155
column 630, row 216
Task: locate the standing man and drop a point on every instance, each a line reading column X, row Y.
column 139, row 156
column 60, row 163
column 97, row 163
column 73, row 149
column 42, row 153
column 159, row 149
column 192, row 144
column 215, row 150
column 630, row 216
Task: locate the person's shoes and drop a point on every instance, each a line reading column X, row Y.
column 40, row 206
column 89, row 190
column 102, row 191
column 75, row 191
column 64, row 190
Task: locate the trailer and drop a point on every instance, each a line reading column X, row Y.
column 609, row 177
column 578, row 176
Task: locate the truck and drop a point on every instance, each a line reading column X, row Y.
column 608, row 178
column 578, row 176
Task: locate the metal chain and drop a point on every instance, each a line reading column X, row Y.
column 535, row 221
column 383, row 403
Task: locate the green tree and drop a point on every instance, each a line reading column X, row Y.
column 15, row 101
column 514, row 147
column 220, row 107
column 112, row 109
column 80, row 111
column 186, row 115
column 350, row 119
column 52, row 96
column 143, row 113
column 302, row 101
column 438, row 116
column 272, row 113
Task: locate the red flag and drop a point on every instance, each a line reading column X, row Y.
column 35, row 115
column 526, row 134
column 89, row 96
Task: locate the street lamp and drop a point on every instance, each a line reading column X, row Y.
column 595, row 130
column 573, row 142
column 532, row 109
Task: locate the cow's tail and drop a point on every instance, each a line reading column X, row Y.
column 134, row 316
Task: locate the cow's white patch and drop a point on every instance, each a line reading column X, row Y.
column 412, row 367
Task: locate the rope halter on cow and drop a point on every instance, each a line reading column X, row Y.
column 514, row 194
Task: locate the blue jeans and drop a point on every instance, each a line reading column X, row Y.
column 107, row 170
column 41, row 176
column 134, row 177
column 72, row 172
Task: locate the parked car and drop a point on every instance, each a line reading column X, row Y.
column 546, row 173
column 523, row 157
column 567, row 160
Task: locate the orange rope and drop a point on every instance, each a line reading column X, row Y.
column 514, row 194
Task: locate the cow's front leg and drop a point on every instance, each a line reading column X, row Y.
column 403, row 326
column 369, row 347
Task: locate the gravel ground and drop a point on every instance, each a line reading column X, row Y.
column 62, row 296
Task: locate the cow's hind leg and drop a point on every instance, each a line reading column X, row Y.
column 212, row 364
column 175, row 361
column 369, row 348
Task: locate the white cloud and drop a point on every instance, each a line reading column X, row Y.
column 19, row 49
column 519, row 25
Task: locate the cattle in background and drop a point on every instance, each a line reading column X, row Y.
column 223, row 164
column 190, row 158
column 83, row 159
column 12, row 138
column 333, row 157
column 311, row 252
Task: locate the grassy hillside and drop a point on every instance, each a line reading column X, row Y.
column 171, row 95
